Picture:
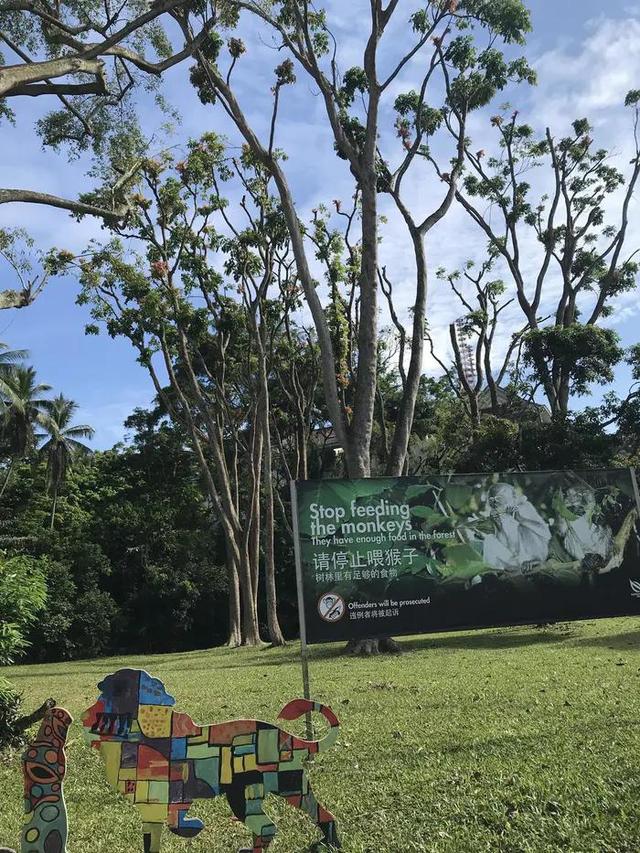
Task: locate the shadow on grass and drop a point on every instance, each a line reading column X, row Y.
column 268, row 657
column 493, row 640
column 470, row 641
column 627, row 640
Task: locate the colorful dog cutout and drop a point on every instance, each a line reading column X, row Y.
column 44, row 765
column 161, row 761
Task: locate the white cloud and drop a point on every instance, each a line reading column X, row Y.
column 588, row 76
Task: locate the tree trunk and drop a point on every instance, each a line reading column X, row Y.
column 404, row 425
column 255, row 506
column 7, row 478
column 275, row 632
column 302, row 465
column 235, row 626
column 53, row 508
column 250, row 625
column 358, row 449
column 374, row 646
column 491, row 383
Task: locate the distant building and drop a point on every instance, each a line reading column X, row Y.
column 514, row 407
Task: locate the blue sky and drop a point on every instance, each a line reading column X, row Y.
column 587, row 54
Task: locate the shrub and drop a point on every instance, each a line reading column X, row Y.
column 10, row 705
column 23, row 594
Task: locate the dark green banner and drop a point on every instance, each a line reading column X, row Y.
column 387, row 557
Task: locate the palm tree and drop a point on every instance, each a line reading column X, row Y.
column 63, row 446
column 23, row 403
column 9, row 358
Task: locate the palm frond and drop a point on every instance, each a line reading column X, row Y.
column 80, row 431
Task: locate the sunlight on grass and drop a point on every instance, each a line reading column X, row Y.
column 509, row 740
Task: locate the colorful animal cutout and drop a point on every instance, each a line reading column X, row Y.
column 44, row 765
column 161, row 761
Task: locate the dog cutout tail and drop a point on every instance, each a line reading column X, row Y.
column 298, row 708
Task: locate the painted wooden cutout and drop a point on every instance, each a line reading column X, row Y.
column 44, row 765
column 161, row 761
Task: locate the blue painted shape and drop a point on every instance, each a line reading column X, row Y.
column 192, row 823
column 152, row 691
column 178, row 747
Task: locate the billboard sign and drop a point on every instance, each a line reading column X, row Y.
column 393, row 556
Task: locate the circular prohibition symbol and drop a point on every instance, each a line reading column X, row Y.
column 331, row 607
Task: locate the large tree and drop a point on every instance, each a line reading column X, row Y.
column 90, row 59
column 357, row 103
column 93, row 62
column 208, row 339
column 556, row 211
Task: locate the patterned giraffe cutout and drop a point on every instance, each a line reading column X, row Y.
column 44, row 766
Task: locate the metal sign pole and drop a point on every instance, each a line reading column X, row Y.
column 304, row 653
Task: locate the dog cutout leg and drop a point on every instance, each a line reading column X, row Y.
column 152, row 837
column 183, row 826
column 248, row 807
column 323, row 819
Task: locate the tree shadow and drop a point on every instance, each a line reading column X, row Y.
column 507, row 639
column 626, row 640
column 499, row 639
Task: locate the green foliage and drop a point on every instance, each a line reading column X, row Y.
column 23, row 595
column 136, row 561
column 508, row 18
column 10, row 705
column 587, row 353
column 354, row 81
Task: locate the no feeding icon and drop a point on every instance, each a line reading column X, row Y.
column 331, row 607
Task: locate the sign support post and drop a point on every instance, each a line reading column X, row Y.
column 304, row 649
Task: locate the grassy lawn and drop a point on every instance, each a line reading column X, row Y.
column 512, row 740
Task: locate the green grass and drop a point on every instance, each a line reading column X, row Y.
column 512, row 740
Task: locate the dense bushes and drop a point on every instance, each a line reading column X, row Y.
column 23, row 593
column 136, row 562
column 10, row 704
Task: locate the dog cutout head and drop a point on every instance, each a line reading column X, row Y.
column 129, row 696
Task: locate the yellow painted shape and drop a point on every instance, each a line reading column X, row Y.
column 200, row 750
column 28, row 817
column 226, row 773
column 155, row 720
column 242, row 740
column 128, row 773
column 111, row 753
column 254, row 792
column 194, row 739
column 142, row 792
column 238, row 764
column 250, row 762
column 153, row 812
